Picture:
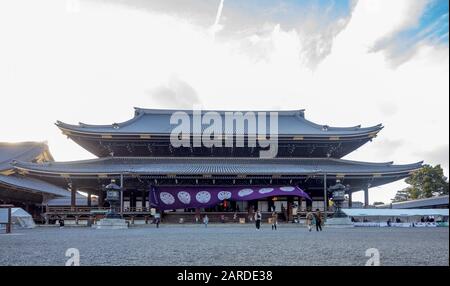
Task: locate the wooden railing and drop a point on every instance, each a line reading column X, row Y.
column 136, row 212
column 87, row 210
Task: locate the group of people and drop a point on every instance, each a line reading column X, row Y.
column 314, row 219
column 258, row 219
column 427, row 219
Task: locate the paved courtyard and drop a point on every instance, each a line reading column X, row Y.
column 193, row 245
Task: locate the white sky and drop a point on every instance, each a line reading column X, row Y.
column 93, row 62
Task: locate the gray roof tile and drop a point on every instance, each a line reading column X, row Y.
column 157, row 121
column 33, row 185
column 220, row 166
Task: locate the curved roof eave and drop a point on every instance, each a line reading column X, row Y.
column 33, row 185
column 320, row 130
column 74, row 167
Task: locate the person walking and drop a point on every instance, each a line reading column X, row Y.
column 310, row 220
column 258, row 218
column 205, row 221
column 157, row 219
column 274, row 220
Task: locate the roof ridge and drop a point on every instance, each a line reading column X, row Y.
column 169, row 110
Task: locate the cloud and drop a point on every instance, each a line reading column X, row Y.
column 176, row 94
column 387, row 108
column 427, row 24
column 436, row 155
column 253, row 22
column 387, row 147
column 114, row 57
column 196, row 12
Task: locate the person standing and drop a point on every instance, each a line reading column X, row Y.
column 318, row 217
column 205, row 221
column 258, row 218
column 61, row 222
column 310, row 220
column 274, row 220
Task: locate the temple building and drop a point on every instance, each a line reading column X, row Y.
column 152, row 173
column 28, row 193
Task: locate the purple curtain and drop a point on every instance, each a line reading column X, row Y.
column 166, row 198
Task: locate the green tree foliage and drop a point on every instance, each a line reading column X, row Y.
column 427, row 182
column 402, row 195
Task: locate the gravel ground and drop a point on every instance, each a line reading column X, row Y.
column 193, row 245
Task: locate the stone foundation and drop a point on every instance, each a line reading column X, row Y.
column 111, row 223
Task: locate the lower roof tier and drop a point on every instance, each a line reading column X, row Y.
column 141, row 172
column 29, row 189
column 216, row 168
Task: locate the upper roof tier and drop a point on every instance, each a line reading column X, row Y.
column 157, row 122
column 148, row 134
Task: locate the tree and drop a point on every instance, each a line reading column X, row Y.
column 427, row 182
column 424, row 183
column 402, row 195
column 378, row 203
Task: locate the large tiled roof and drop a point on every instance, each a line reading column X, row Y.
column 157, row 121
column 219, row 166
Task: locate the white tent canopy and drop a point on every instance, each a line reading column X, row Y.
column 20, row 217
column 395, row 212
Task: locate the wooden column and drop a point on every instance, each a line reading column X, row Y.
column 121, row 194
column 366, row 197
column 289, row 208
column 144, row 199
column 9, row 224
column 132, row 199
column 73, row 197
column 89, row 200
column 100, row 199
column 350, row 200
column 308, row 205
column 325, row 196
column 198, row 217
